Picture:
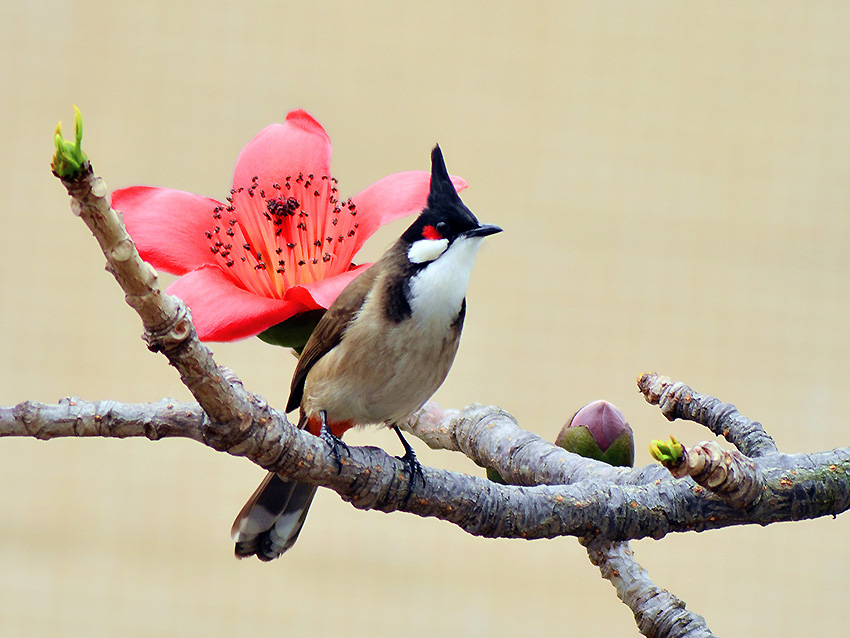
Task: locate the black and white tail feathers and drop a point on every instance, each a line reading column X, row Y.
column 272, row 518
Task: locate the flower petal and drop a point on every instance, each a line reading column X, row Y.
column 167, row 226
column 299, row 145
column 321, row 294
column 393, row 197
column 222, row 311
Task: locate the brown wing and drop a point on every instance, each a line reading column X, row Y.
column 329, row 331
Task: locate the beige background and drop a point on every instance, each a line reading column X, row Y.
column 673, row 183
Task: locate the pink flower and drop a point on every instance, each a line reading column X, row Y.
column 282, row 243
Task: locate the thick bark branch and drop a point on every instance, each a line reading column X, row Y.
column 492, row 438
column 606, row 504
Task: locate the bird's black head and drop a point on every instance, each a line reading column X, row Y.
column 445, row 216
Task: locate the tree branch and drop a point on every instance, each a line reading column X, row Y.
column 678, row 401
column 657, row 611
column 553, row 492
column 166, row 319
column 607, row 504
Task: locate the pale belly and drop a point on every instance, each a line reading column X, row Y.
column 380, row 383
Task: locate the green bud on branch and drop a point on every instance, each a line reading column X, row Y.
column 68, row 160
column 667, row 452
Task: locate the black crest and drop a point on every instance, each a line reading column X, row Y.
column 444, row 205
column 442, row 193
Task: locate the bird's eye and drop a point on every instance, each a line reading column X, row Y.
column 442, row 228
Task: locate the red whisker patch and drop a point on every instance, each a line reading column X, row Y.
column 429, row 232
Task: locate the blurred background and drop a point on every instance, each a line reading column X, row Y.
column 672, row 179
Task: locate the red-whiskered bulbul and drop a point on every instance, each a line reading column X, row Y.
column 377, row 355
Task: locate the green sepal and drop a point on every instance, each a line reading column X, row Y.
column 621, row 452
column 579, row 440
column 294, row 332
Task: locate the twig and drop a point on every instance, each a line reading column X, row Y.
column 678, row 401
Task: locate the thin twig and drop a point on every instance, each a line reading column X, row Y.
column 679, row 401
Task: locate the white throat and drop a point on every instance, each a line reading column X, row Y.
column 437, row 291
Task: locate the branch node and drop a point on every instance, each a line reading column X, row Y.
column 171, row 335
column 728, row 473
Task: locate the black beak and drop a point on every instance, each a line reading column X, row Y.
column 483, row 230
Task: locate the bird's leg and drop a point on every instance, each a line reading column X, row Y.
column 337, row 446
column 411, row 464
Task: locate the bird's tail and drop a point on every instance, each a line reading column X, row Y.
column 269, row 523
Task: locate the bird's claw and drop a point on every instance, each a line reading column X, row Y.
column 337, row 446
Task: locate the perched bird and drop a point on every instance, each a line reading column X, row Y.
column 377, row 355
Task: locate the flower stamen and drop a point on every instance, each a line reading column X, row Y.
column 275, row 239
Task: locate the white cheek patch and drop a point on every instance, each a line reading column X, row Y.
column 437, row 291
column 426, row 250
